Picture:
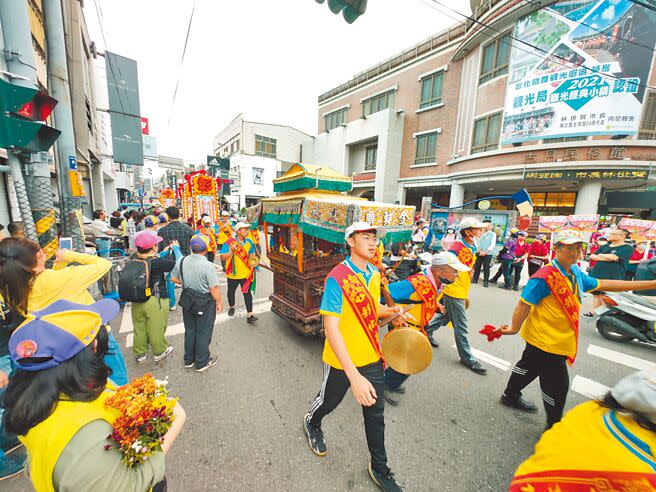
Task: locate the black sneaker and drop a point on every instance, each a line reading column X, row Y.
column 486, row 284
column 251, row 319
column 212, row 362
column 385, row 481
column 433, row 342
column 315, row 437
column 400, row 390
column 391, row 400
column 231, row 311
column 476, row 367
column 519, row 403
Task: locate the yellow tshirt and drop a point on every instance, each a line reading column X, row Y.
column 333, row 303
column 459, row 289
column 590, row 442
column 242, row 270
column 70, row 283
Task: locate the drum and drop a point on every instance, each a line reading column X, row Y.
column 407, row 350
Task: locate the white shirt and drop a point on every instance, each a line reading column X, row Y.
column 100, row 228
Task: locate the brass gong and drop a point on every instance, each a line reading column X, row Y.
column 253, row 261
column 407, row 350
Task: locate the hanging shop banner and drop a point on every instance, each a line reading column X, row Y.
column 124, row 109
column 576, row 69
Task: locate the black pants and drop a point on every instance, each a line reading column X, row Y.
column 334, row 387
column 554, row 379
column 516, row 272
column 485, row 262
column 232, row 288
column 198, row 335
column 498, row 273
column 210, row 256
column 533, row 268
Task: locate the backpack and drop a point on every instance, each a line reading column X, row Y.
column 134, row 280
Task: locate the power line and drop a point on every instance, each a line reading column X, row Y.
column 649, row 5
column 184, row 52
column 580, row 65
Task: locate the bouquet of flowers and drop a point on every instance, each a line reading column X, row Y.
column 146, row 414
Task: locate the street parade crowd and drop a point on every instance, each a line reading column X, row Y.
column 60, row 362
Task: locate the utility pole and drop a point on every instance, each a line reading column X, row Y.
column 70, row 205
column 17, row 51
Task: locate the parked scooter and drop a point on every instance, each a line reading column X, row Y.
column 624, row 317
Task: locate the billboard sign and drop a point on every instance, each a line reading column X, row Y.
column 124, row 110
column 581, row 69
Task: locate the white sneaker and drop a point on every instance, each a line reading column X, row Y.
column 173, row 308
column 164, row 354
column 141, row 359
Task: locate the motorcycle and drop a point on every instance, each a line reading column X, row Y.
column 624, row 317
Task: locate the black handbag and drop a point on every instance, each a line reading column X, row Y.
column 191, row 300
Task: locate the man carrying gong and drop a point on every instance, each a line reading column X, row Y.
column 423, row 292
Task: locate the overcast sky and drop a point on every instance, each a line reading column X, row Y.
column 267, row 59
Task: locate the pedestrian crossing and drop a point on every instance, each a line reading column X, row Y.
column 580, row 384
column 259, row 306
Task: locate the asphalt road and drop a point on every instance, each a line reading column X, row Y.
column 448, row 432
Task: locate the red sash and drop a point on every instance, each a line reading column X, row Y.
column 242, row 254
column 563, row 293
column 583, row 481
column 465, row 255
column 428, row 295
column 362, row 303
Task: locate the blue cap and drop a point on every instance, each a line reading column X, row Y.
column 58, row 333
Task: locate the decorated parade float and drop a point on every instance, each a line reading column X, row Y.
column 199, row 194
column 304, row 229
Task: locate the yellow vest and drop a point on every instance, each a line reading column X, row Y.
column 589, row 444
column 356, row 341
column 46, row 440
column 547, row 328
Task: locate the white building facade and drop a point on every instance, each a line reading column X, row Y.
column 258, row 153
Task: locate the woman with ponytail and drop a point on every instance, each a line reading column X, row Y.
column 26, row 285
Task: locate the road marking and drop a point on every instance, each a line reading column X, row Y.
column 126, row 320
column 588, row 387
column 490, row 359
column 619, row 357
column 259, row 306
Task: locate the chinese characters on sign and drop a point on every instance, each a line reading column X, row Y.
column 576, row 154
column 588, row 174
column 572, row 73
